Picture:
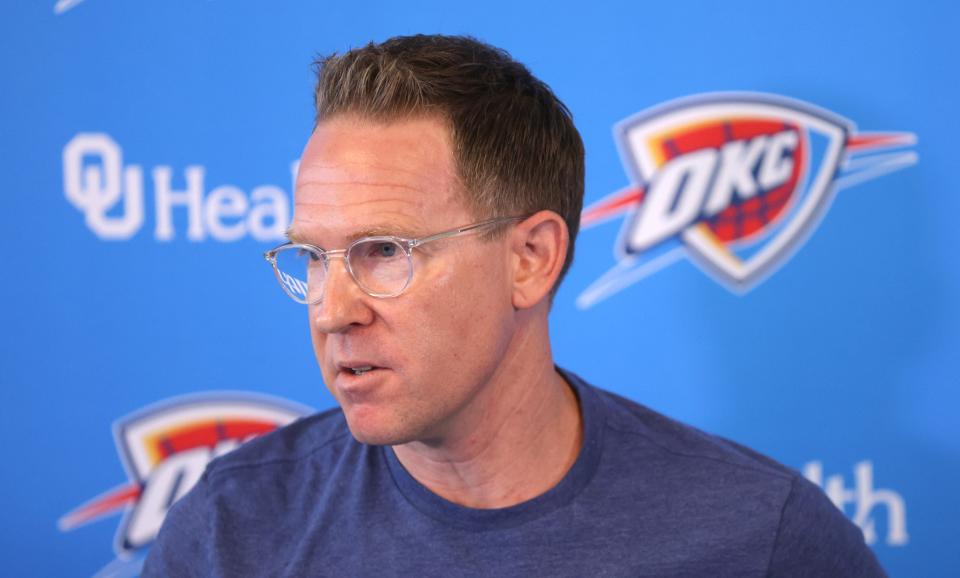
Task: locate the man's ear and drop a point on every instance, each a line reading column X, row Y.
column 539, row 248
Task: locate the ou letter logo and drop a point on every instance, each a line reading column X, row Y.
column 96, row 188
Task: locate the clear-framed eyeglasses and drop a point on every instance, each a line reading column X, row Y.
column 382, row 266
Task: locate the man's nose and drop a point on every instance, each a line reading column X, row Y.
column 344, row 302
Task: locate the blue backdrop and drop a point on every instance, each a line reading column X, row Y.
column 148, row 150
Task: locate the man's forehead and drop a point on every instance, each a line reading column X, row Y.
column 411, row 148
column 341, row 217
column 371, row 172
column 361, row 179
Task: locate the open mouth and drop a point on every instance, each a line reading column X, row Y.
column 360, row 370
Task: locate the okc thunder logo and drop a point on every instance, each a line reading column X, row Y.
column 734, row 181
column 165, row 448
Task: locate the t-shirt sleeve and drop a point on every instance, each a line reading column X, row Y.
column 816, row 539
column 183, row 544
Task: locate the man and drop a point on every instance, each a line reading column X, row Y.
column 436, row 209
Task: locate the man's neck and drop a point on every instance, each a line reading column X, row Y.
column 518, row 441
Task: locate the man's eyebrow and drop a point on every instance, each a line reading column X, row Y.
column 385, row 230
column 377, row 230
column 293, row 236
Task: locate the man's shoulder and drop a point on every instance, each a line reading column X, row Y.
column 316, row 439
column 730, row 490
column 253, row 501
column 673, row 439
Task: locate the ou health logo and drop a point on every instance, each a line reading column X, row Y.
column 165, row 449
column 737, row 182
column 111, row 197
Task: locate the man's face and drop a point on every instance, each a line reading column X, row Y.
column 436, row 348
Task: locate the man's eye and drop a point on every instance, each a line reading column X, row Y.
column 384, row 250
column 303, row 253
column 378, row 250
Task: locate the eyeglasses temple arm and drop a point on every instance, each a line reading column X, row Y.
column 443, row 235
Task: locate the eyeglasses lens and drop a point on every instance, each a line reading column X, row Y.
column 381, row 267
column 301, row 272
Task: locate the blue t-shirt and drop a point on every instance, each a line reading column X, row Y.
column 647, row 496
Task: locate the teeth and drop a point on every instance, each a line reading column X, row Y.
column 361, row 370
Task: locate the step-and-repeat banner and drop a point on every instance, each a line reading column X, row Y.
column 768, row 248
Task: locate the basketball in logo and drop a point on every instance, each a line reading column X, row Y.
column 734, row 181
column 165, row 449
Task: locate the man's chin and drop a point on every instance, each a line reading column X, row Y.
column 375, row 431
column 374, row 438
